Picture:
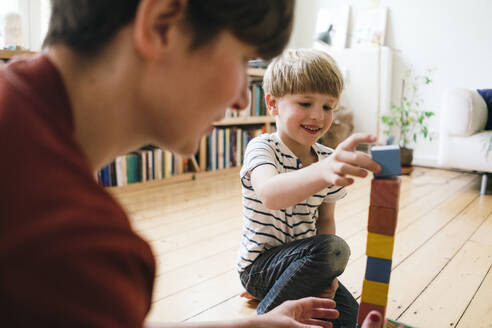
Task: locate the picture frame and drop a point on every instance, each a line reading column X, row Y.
column 370, row 27
column 332, row 26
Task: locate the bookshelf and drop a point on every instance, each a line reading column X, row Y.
column 256, row 72
column 222, row 150
column 8, row 54
column 267, row 121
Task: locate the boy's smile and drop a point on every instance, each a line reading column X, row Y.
column 312, row 129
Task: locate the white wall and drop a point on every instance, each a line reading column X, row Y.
column 35, row 17
column 451, row 36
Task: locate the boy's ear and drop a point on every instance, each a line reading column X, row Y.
column 155, row 25
column 271, row 103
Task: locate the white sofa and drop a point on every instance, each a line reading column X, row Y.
column 463, row 142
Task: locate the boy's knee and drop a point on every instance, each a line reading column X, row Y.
column 334, row 251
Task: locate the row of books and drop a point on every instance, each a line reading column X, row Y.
column 223, row 148
column 256, row 106
column 148, row 163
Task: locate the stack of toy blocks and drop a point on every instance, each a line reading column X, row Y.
column 383, row 213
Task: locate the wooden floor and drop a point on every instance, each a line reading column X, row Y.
column 441, row 275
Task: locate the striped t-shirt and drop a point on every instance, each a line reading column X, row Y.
column 264, row 228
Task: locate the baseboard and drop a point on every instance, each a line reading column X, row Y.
column 426, row 161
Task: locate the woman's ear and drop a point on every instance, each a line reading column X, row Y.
column 271, row 103
column 155, row 23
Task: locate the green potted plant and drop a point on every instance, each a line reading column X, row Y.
column 405, row 123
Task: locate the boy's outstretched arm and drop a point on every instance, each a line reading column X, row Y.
column 277, row 191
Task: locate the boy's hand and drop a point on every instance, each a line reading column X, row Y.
column 346, row 161
column 330, row 291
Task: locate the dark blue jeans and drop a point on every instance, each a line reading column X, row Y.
column 299, row 269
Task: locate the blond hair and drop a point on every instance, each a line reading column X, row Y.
column 298, row 71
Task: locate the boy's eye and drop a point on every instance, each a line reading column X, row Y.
column 305, row 104
column 327, row 108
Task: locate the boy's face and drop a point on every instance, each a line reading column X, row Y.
column 303, row 118
column 193, row 89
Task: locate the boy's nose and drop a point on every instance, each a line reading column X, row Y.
column 317, row 113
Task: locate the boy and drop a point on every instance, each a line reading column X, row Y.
column 290, row 184
column 115, row 75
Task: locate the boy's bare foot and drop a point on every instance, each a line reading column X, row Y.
column 248, row 296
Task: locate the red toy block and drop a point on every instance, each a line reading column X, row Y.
column 385, row 192
column 365, row 308
column 382, row 220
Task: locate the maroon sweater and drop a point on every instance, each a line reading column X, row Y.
column 68, row 255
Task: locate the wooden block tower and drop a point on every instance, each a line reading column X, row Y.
column 383, row 213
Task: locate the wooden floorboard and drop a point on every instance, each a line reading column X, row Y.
column 441, row 272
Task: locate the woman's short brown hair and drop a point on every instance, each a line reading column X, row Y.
column 87, row 25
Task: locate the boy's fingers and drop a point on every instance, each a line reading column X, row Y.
column 342, row 181
column 317, row 302
column 358, row 159
column 325, row 313
column 357, row 138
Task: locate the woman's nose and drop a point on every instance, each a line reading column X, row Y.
column 242, row 100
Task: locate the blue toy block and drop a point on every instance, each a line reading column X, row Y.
column 378, row 269
column 389, row 159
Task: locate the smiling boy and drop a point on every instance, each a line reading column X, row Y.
column 290, row 183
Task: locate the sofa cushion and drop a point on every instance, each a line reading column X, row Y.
column 467, row 153
column 464, row 112
column 487, row 96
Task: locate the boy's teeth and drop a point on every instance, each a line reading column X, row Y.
column 312, row 129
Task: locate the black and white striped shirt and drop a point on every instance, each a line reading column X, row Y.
column 264, row 228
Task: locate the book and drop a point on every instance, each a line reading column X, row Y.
column 232, row 155
column 149, row 161
column 220, row 148
column 143, row 165
column 227, row 148
column 105, row 176
column 168, row 164
column 202, row 159
column 132, row 167
column 120, row 171
column 179, row 164
column 239, row 149
column 158, row 163
column 258, row 100
column 213, row 153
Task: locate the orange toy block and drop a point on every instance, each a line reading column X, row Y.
column 365, row 308
column 374, row 292
column 382, row 220
column 379, row 245
column 385, row 192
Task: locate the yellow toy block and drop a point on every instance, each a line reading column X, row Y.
column 374, row 292
column 379, row 245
